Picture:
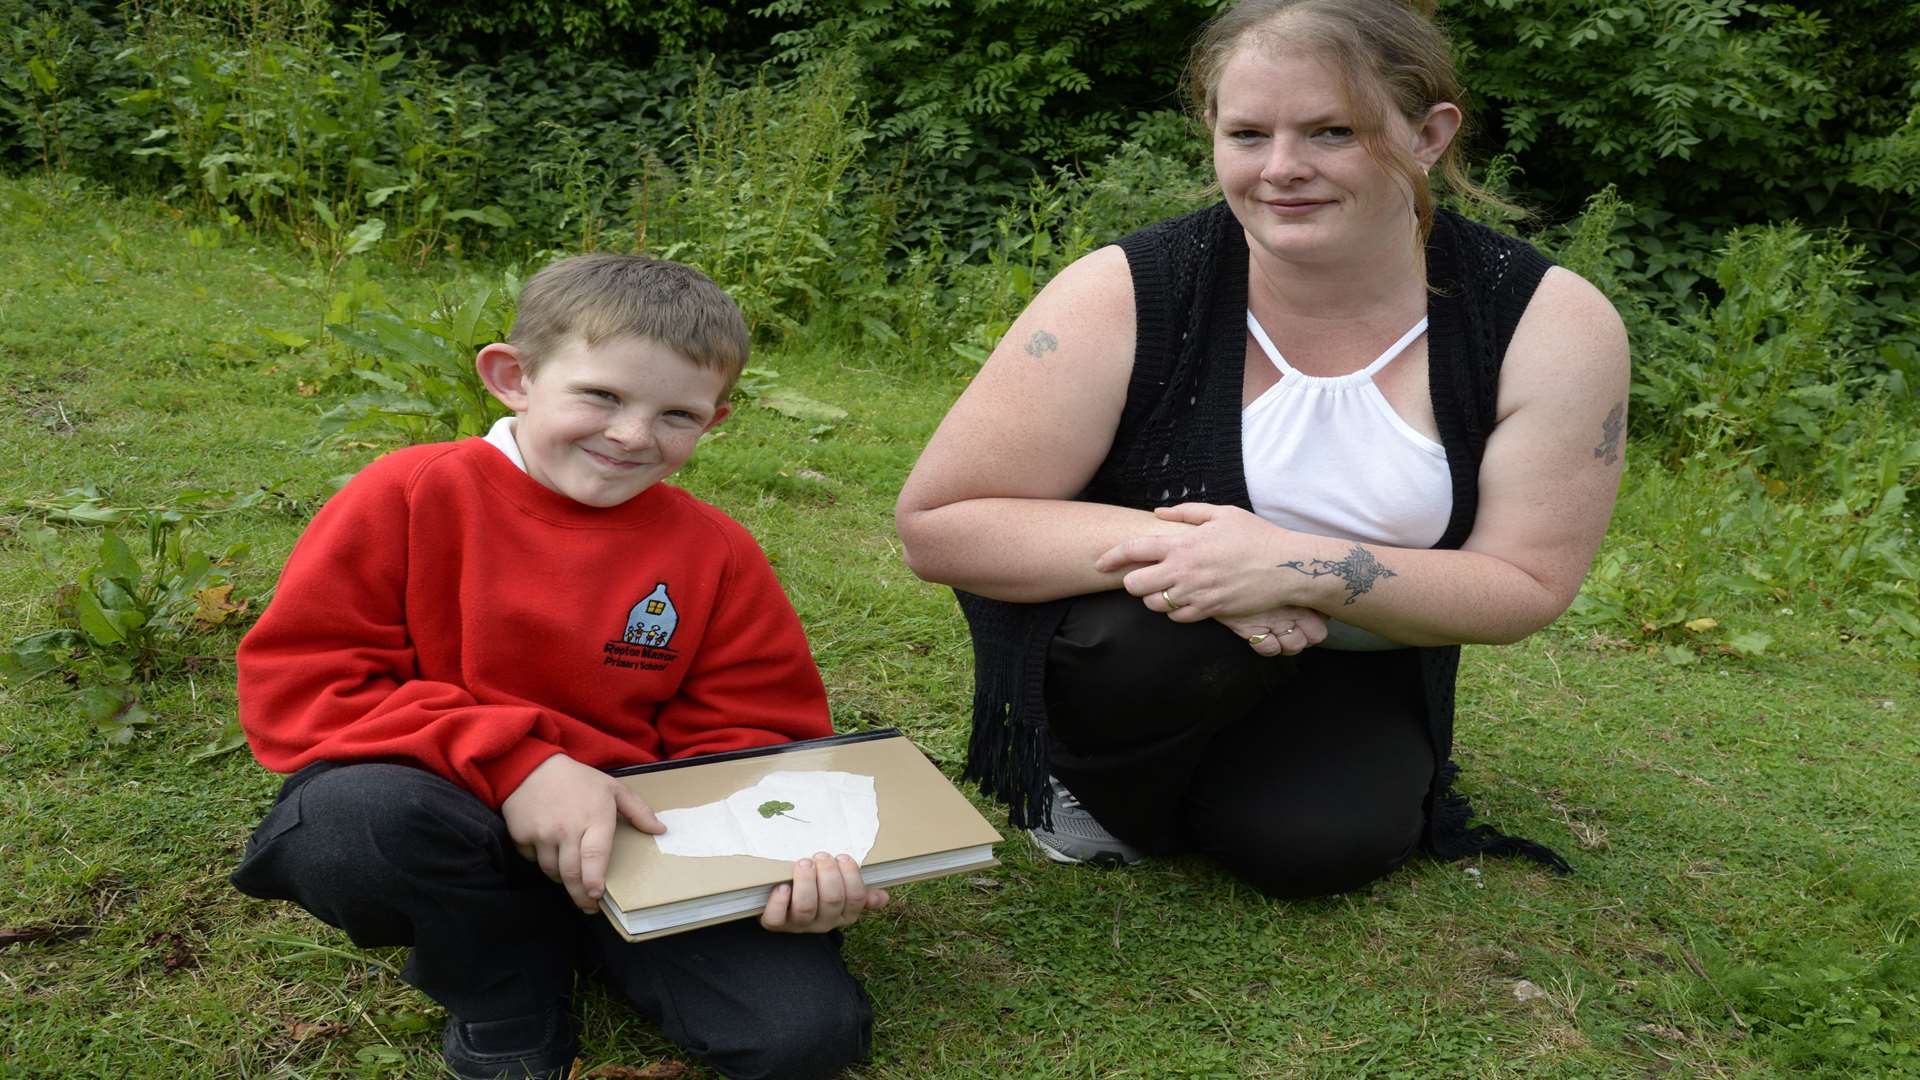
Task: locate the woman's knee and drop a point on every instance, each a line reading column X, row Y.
column 1323, row 858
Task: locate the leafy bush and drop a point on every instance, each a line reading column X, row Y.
column 1051, row 79
column 620, row 26
column 1769, row 398
column 1767, row 374
column 1738, row 107
column 978, row 99
column 347, row 142
column 60, row 78
column 583, row 148
column 424, row 384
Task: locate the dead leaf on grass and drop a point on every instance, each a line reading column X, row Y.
column 214, row 606
column 1527, row 990
column 176, row 952
column 659, row 1070
column 301, row 1031
column 26, row 935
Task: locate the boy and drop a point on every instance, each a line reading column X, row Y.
column 469, row 632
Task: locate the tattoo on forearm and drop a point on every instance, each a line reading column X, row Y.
column 1359, row 570
column 1610, row 431
column 1041, row 344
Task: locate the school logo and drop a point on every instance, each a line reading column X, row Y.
column 649, row 631
column 652, row 620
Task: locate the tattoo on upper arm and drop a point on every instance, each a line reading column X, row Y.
column 1359, row 570
column 1041, row 344
column 1610, row 431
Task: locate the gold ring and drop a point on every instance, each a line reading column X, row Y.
column 1171, row 606
column 1291, row 627
column 1257, row 638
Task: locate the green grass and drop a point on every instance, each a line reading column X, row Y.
column 1747, row 842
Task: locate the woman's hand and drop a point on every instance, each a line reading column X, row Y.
column 1224, row 568
column 1283, row 631
column 827, row 893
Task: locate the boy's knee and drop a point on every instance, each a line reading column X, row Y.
column 361, row 826
column 817, row 1036
column 394, row 809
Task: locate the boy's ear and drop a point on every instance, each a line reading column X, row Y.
column 501, row 369
column 725, row 410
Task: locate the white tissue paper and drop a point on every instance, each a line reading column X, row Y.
column 834, row 812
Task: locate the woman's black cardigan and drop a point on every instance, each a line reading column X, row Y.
column 1179, row 441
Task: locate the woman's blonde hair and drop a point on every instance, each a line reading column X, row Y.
column 1390, row 57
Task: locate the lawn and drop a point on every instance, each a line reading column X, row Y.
column 1744, row 829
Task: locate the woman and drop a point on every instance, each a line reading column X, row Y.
column 1229, row 495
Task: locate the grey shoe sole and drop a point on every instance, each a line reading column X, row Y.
column 1105, row 860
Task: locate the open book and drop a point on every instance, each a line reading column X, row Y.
column 926, row 828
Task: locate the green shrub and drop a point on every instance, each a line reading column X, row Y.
column 1767, row 374
column 423, row 384
column 60, row 81
column 618, row 26
column 346, row 142
column 1049, row 79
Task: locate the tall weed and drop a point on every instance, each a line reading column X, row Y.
column 760, row 197
column 126, row 621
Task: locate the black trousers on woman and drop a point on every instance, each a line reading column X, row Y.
column 1304, row 775
column 395, row 855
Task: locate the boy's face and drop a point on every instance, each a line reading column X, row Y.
column 602, row 424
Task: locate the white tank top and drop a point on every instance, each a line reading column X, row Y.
column 1328, row 455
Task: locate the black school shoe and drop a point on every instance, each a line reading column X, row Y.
column 539, row 1047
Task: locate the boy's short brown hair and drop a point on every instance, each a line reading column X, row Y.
column 601, row 297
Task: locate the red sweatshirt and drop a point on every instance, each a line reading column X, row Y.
column 446, row 609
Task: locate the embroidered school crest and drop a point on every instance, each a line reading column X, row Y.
column 652, row 620
column 649, row 631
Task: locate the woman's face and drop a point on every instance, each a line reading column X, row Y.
column 1293, row 168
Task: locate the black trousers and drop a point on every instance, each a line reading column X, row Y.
column 395, row 855
column 1304, row 775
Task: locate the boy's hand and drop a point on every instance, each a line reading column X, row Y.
column 827, row 894
column 562, row 816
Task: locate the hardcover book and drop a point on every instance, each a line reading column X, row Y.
column 736, row 821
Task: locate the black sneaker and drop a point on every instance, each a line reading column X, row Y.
column 539, row 1047
column 1075, row 837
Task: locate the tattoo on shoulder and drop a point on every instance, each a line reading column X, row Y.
column 1359, row 570
column 1611, row 429
column 1041, row 344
